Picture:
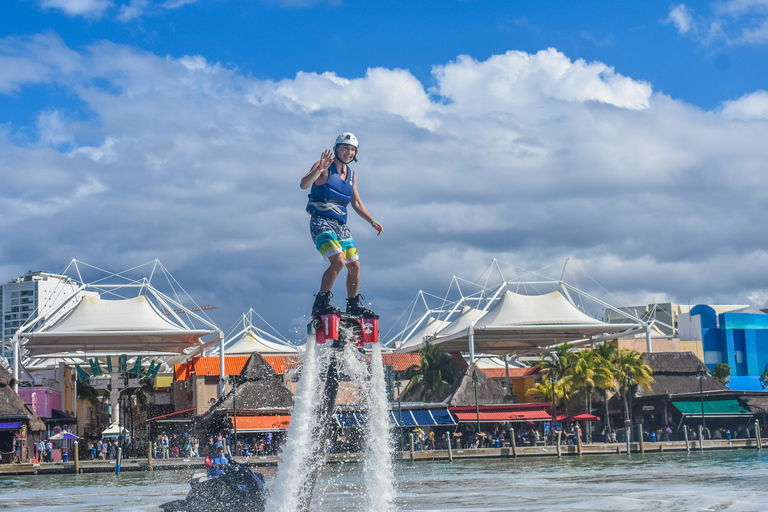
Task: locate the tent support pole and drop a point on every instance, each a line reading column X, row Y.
column 16, row 351
column 648, row 345
column 471, row 346
column 222, row 373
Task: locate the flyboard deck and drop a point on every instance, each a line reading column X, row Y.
column 327, row 328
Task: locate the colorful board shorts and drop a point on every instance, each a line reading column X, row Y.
column 332, row 237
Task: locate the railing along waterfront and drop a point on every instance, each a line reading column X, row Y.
column 517, row 452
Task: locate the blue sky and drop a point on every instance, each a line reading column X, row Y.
column 627, row 136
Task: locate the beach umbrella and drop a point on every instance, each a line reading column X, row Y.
column 586, row 417
column 63, row 435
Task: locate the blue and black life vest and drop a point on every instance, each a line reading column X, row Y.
column 332, row 197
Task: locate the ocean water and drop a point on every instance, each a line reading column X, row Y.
column 735, row 481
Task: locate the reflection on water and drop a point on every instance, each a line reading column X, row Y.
column 714, row 481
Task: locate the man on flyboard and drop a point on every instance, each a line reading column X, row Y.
column 334, row 186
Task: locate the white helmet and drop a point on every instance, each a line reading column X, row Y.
column 347, row 138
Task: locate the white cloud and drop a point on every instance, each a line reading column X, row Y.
column 394, row 92
column 748, row 107
column 517, row 79
column 53, row 130
column 132, row 10
column 84, row 8
column 730, row 22
column 681, row 17
column 35, row 60
column 526, row 157
column 136, row 9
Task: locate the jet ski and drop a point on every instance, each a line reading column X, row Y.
column 238, row 488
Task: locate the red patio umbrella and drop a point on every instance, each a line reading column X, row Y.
column 586, row 417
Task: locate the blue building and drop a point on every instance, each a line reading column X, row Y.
column 738, row 338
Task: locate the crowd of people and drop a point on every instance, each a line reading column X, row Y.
column 190, row 446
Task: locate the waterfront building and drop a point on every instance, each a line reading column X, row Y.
column 263, row 403
column 663, row 315
column 680, row 390
column 738, row 338
column 32, row 295
column 195, row 387
column 52, row 395
column 517, row 378
column 19, row 425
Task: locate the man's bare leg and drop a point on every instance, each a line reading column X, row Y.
column 332, row 272
column 353, row 278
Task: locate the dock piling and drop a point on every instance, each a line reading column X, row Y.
column 578, row 440
column 628, row 437
column 412, row 456
column 77, row 459
column 149, row 456
column 685, row 434
column 450, row 448
column 701, row 439
column 513, row 442
column 640, row 438
column 758, row 438
column 559, row 454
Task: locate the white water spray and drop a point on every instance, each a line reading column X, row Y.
column 303, row 456
column 378, row 468
column 297, row 451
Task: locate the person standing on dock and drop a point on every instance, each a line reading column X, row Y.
column 333, row 186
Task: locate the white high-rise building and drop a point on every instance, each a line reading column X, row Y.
column 31, row 296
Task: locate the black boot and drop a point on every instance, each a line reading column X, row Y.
column 323, row 306
column 355, row 308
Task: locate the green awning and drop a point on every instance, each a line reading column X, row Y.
column 714, row 408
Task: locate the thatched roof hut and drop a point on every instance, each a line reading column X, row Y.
column 489, row 392
column 258, row 388
column 13, row 407
column 757, row 403
column 675, row 372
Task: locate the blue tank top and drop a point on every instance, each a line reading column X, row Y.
column 332, row 197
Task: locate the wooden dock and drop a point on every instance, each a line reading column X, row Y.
column 88, row 466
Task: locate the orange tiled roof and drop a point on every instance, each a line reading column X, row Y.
column 233, row 365
column 401, row 362
column 282, row 364
column 262, row 423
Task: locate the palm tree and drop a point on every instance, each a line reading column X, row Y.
column 630, row 371
column 543, row 391
column 433, row 375
column 557, row 365
column 85, row 391
column 144, row 392
column 589, row 372
column 557, row 361
column 607, row 358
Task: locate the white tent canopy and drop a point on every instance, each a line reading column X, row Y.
column 97, row 326
column 430, row 327
column 523, row 324
column 114, row 430
column 502, row 321
column 246, row 338
column 251, row 342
